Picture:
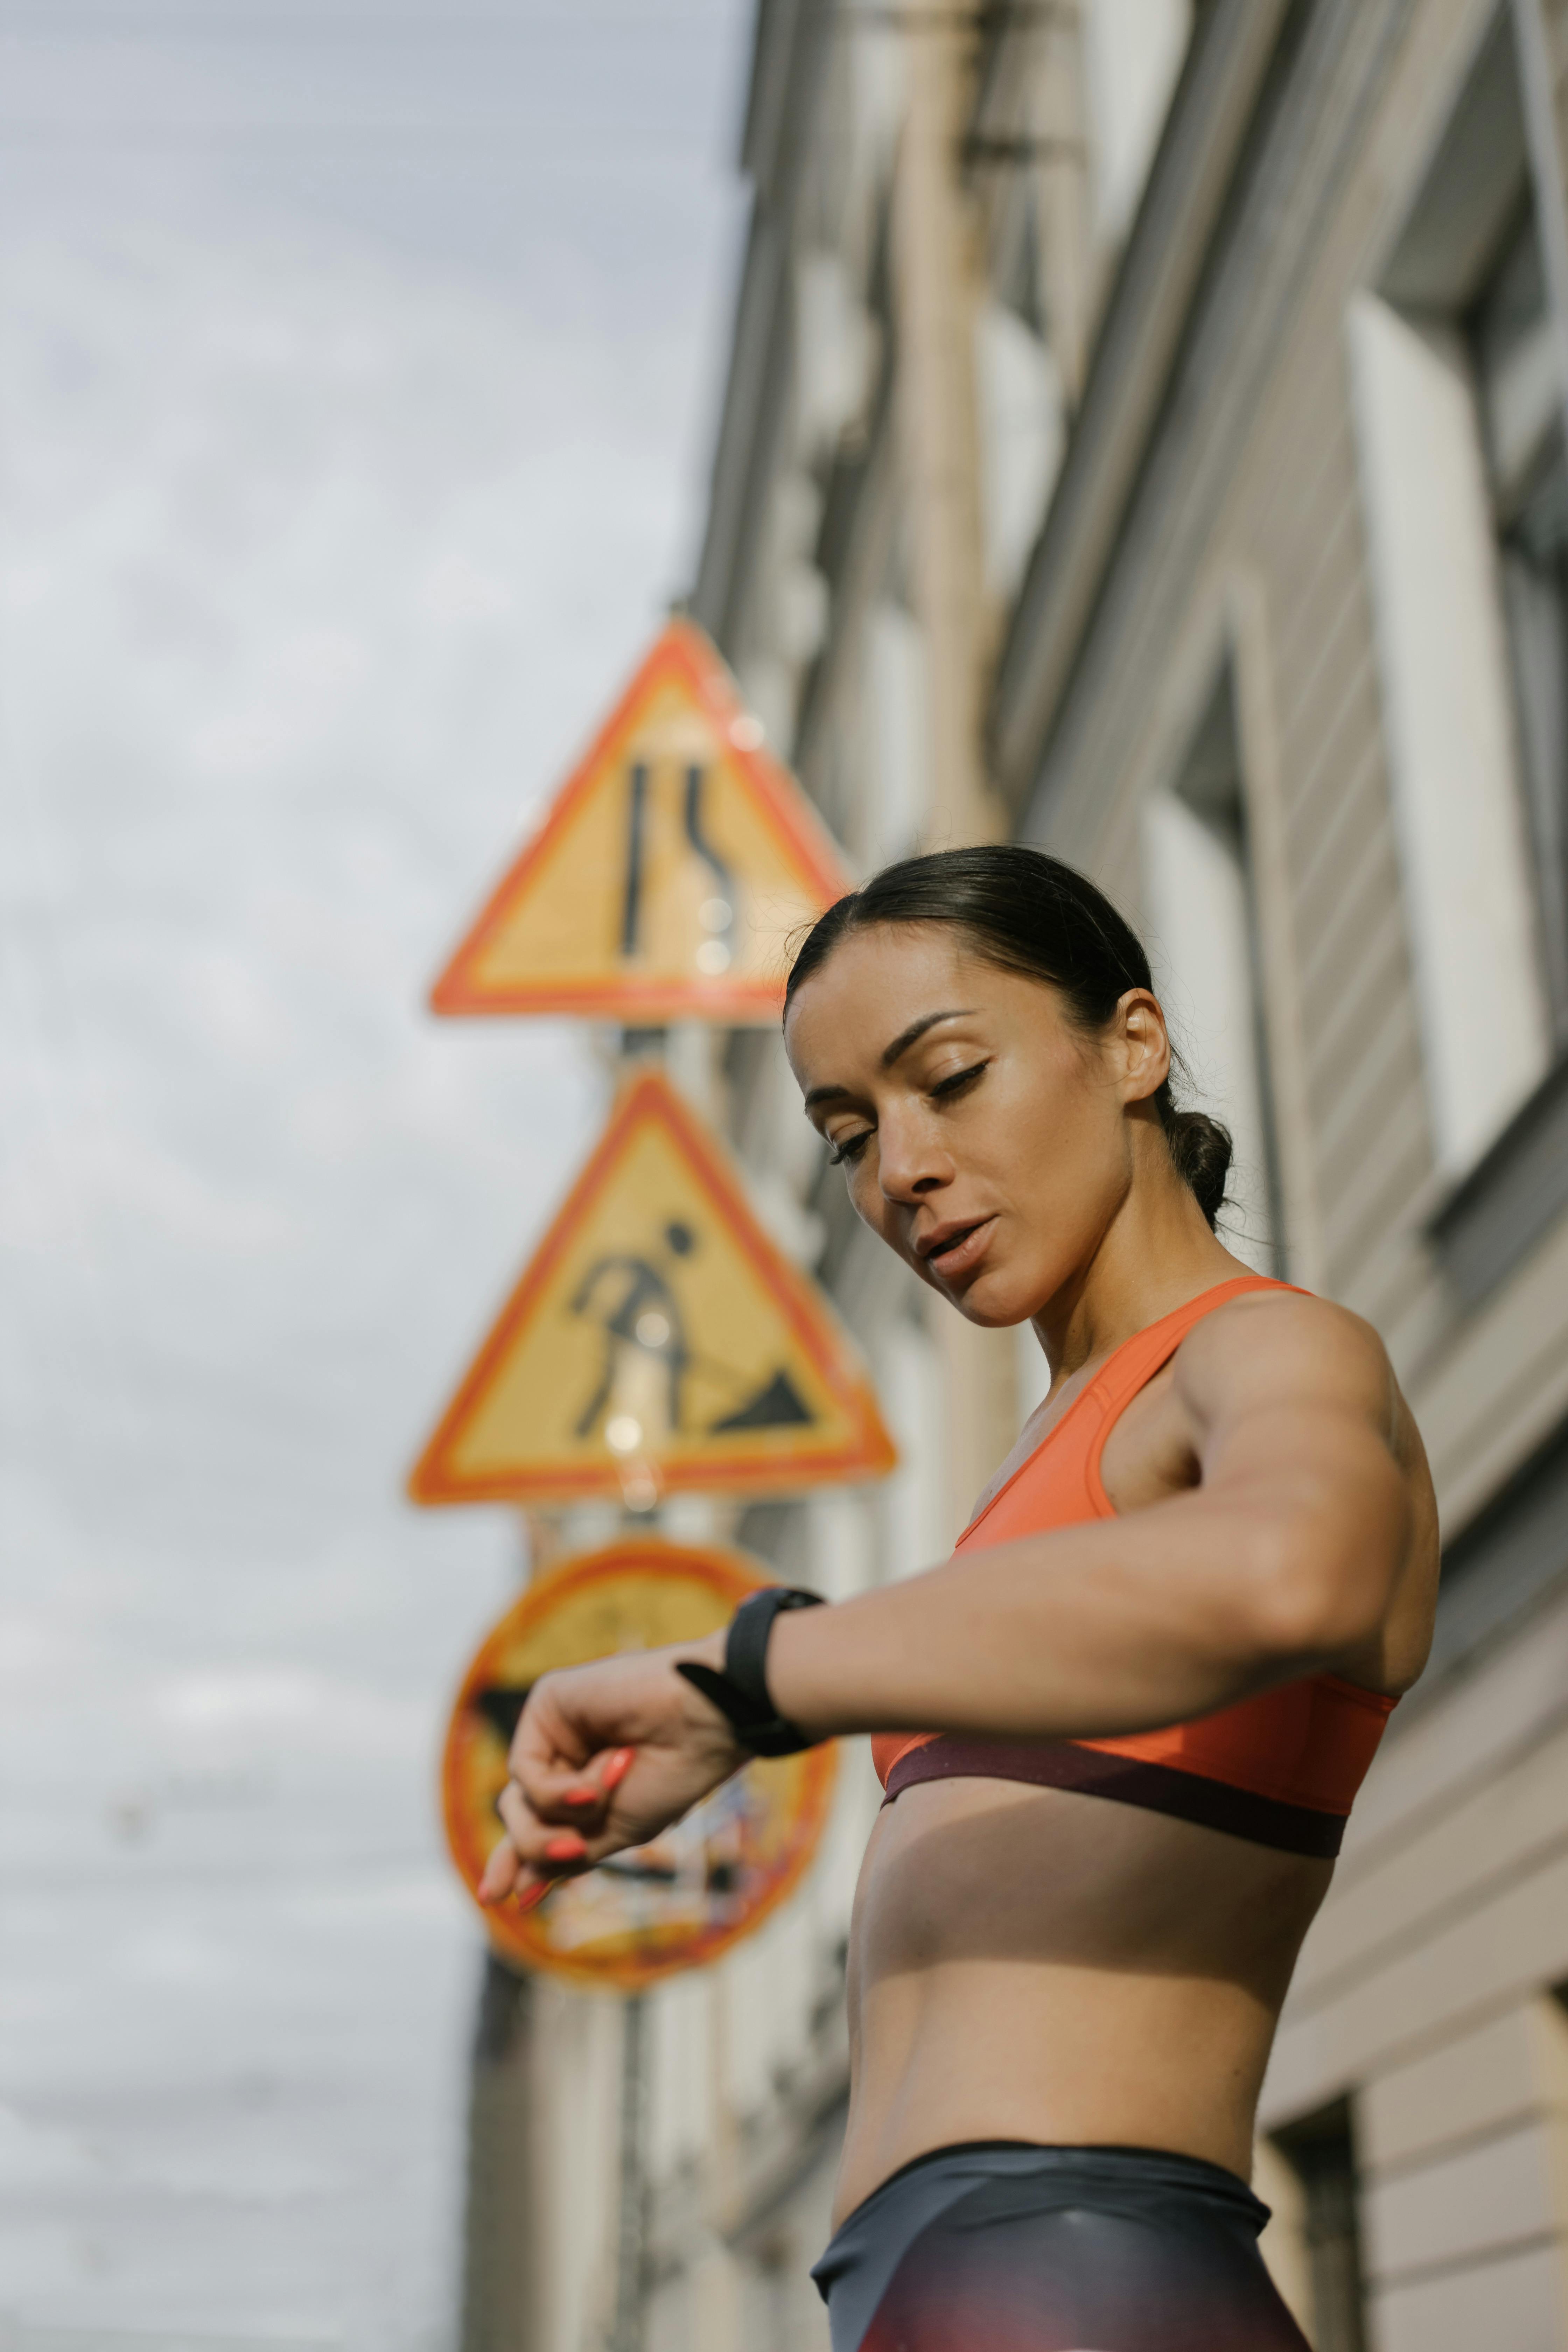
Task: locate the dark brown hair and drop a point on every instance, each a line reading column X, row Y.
column 1030, row 914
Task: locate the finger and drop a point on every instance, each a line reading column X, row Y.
column 501, row 1872
column 546, row 1735
column 523, row 1827
column 540, row 1846
column 505, row 1875
column 570, row 1793
column 603, row 1779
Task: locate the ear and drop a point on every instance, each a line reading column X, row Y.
column 1141, row 1044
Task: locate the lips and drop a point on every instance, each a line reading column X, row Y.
column 956, row 1249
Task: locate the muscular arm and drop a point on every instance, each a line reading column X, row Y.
column 1284, row 1559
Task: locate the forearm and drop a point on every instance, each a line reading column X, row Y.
column 1112, row 1627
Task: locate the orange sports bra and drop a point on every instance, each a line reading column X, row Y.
column 1282, row 1770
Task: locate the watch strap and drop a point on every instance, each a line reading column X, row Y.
column 741, row 1692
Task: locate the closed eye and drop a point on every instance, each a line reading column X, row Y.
column 850, row 1149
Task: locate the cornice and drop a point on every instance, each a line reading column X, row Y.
column 789, row 53
column 1146, row 316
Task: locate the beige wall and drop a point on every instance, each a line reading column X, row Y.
column 1426, row 1989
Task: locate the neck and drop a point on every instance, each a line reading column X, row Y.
column 1156, row 1253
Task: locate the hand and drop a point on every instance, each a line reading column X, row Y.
column 606, row 1756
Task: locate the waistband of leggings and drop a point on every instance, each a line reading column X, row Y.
column 1150, row 2168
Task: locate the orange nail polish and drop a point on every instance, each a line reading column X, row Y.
column 580, row 1797
column 567, row 1847
column 532, row 1896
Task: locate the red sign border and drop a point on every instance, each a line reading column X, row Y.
column 684, row 649
column 648, row 1095
column 515, row 1935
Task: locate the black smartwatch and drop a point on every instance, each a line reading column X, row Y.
column 741, row 1692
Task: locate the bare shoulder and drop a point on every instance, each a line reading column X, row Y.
column 1295, row 1397
column 1273, row 1347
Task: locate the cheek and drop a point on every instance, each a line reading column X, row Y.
column 865, row 1195
column 874, row 1209
column 1037, row 1128
column 1062, row 1098
column 1057, row 1149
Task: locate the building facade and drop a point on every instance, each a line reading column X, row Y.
column 1145, row 437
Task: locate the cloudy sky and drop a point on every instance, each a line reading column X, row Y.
column 357, row 372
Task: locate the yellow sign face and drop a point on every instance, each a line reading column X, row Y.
column 705, row 1882
column 669, row 873
column 658, row 1340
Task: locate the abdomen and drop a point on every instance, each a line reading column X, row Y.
column 1033, row 1964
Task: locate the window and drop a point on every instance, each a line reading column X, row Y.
column 1458, row 392
column 1515, row 351
column 1320, row 2152
column 898, row 688
column 1132, row 54
column 1022, row 398
column 1023, row 434
column 1205, row 941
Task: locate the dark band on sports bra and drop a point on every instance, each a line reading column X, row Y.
column 1158, row 1788
column 1279, row 1770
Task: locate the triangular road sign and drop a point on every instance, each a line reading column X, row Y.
column 658, row 1340
column 667, row 873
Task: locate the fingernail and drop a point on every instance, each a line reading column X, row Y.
column 580, row 1797
column 532, row 1896
column 619, row 1765
column 567, row 1847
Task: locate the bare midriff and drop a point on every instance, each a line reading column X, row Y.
column 1038, row 1964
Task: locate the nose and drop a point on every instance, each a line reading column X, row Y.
column 911, row 1162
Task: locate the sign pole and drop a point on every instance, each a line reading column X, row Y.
column 500, row 2304
column 644, row 1045
column 631, row 2232
column 659, row 1343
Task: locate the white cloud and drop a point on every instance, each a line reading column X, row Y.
column 334, row 502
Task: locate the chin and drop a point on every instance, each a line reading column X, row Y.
column 992, row 1305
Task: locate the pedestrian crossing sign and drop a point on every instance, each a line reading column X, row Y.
column 669, row 872
column 658, row 1342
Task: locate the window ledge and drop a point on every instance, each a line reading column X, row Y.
column 1501, row 1210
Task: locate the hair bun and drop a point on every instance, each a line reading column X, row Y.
column 1202, row 1150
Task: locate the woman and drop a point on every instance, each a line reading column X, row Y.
column 1147, row 1684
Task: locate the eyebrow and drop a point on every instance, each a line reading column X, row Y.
column 890, row 1054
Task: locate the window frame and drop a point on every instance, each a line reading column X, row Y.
column 1497, row 1214
column 1489, row 1212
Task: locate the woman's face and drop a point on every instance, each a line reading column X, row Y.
column 984, row 1138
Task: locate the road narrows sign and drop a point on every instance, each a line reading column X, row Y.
column 666, row 874
column 707, row 1881
column 658, row 1340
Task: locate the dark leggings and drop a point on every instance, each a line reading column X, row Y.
column 1000, row 2246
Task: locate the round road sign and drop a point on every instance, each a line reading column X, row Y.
column 701, row 1886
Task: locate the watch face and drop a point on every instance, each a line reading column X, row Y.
column 703, row 1885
